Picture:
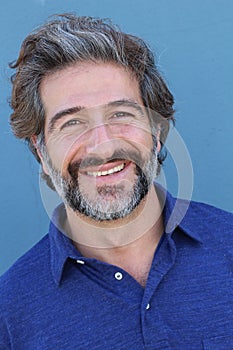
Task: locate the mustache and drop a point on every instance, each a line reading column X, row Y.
column 120, row 154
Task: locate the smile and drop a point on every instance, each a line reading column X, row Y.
column 113, row 170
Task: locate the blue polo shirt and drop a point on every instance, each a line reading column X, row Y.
column 53, row 298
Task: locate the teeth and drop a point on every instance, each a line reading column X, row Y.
column 106, row 172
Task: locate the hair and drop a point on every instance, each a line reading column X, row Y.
column 65, row 40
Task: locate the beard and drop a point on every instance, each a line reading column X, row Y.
column 107, row 202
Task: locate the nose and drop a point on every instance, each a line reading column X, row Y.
column 100, row 140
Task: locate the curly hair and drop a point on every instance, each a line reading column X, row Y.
column 65, row 40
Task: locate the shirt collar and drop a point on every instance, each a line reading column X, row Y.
column 61, row 246
column 176, row 213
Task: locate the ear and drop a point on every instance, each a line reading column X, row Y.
column 34, row 141
column 158, row 135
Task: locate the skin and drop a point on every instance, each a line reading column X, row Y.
column 94, row 87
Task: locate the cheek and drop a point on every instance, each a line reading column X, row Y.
column 61, row 150
column 140, row 137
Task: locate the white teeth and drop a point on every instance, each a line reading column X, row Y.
column 106, row 172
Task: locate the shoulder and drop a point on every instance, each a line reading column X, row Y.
column 211, row 214
column 25, row 270
column 192, row 216
column 209, row 221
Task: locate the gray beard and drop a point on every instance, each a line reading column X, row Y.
column 101, row 209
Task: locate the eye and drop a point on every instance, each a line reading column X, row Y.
column 70, row 123
column 122, row 115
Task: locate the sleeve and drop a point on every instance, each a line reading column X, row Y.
column 5, row 343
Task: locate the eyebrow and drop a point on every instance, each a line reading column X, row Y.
column 126, row 103
column 69, row 111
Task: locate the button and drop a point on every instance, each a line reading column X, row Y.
column 118, row 276
column 80, row 262
column 147, row 306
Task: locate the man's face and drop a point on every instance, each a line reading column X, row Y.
column 99, row 149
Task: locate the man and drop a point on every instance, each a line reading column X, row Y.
column 125, row 265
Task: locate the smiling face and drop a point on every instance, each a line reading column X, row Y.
column 99, row 148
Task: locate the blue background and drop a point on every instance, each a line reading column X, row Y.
column 193, row 45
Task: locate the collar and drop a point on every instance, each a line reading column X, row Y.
column 176, row 213
column 61, row 246
column 179, row 213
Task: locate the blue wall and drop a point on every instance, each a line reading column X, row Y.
column 193, row 43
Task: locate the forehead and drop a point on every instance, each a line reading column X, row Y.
column 88, row 85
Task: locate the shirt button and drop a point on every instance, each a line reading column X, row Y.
column 147, row 306
column 118, row 276
column 80, row 262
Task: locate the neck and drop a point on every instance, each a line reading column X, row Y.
column 129, row 243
